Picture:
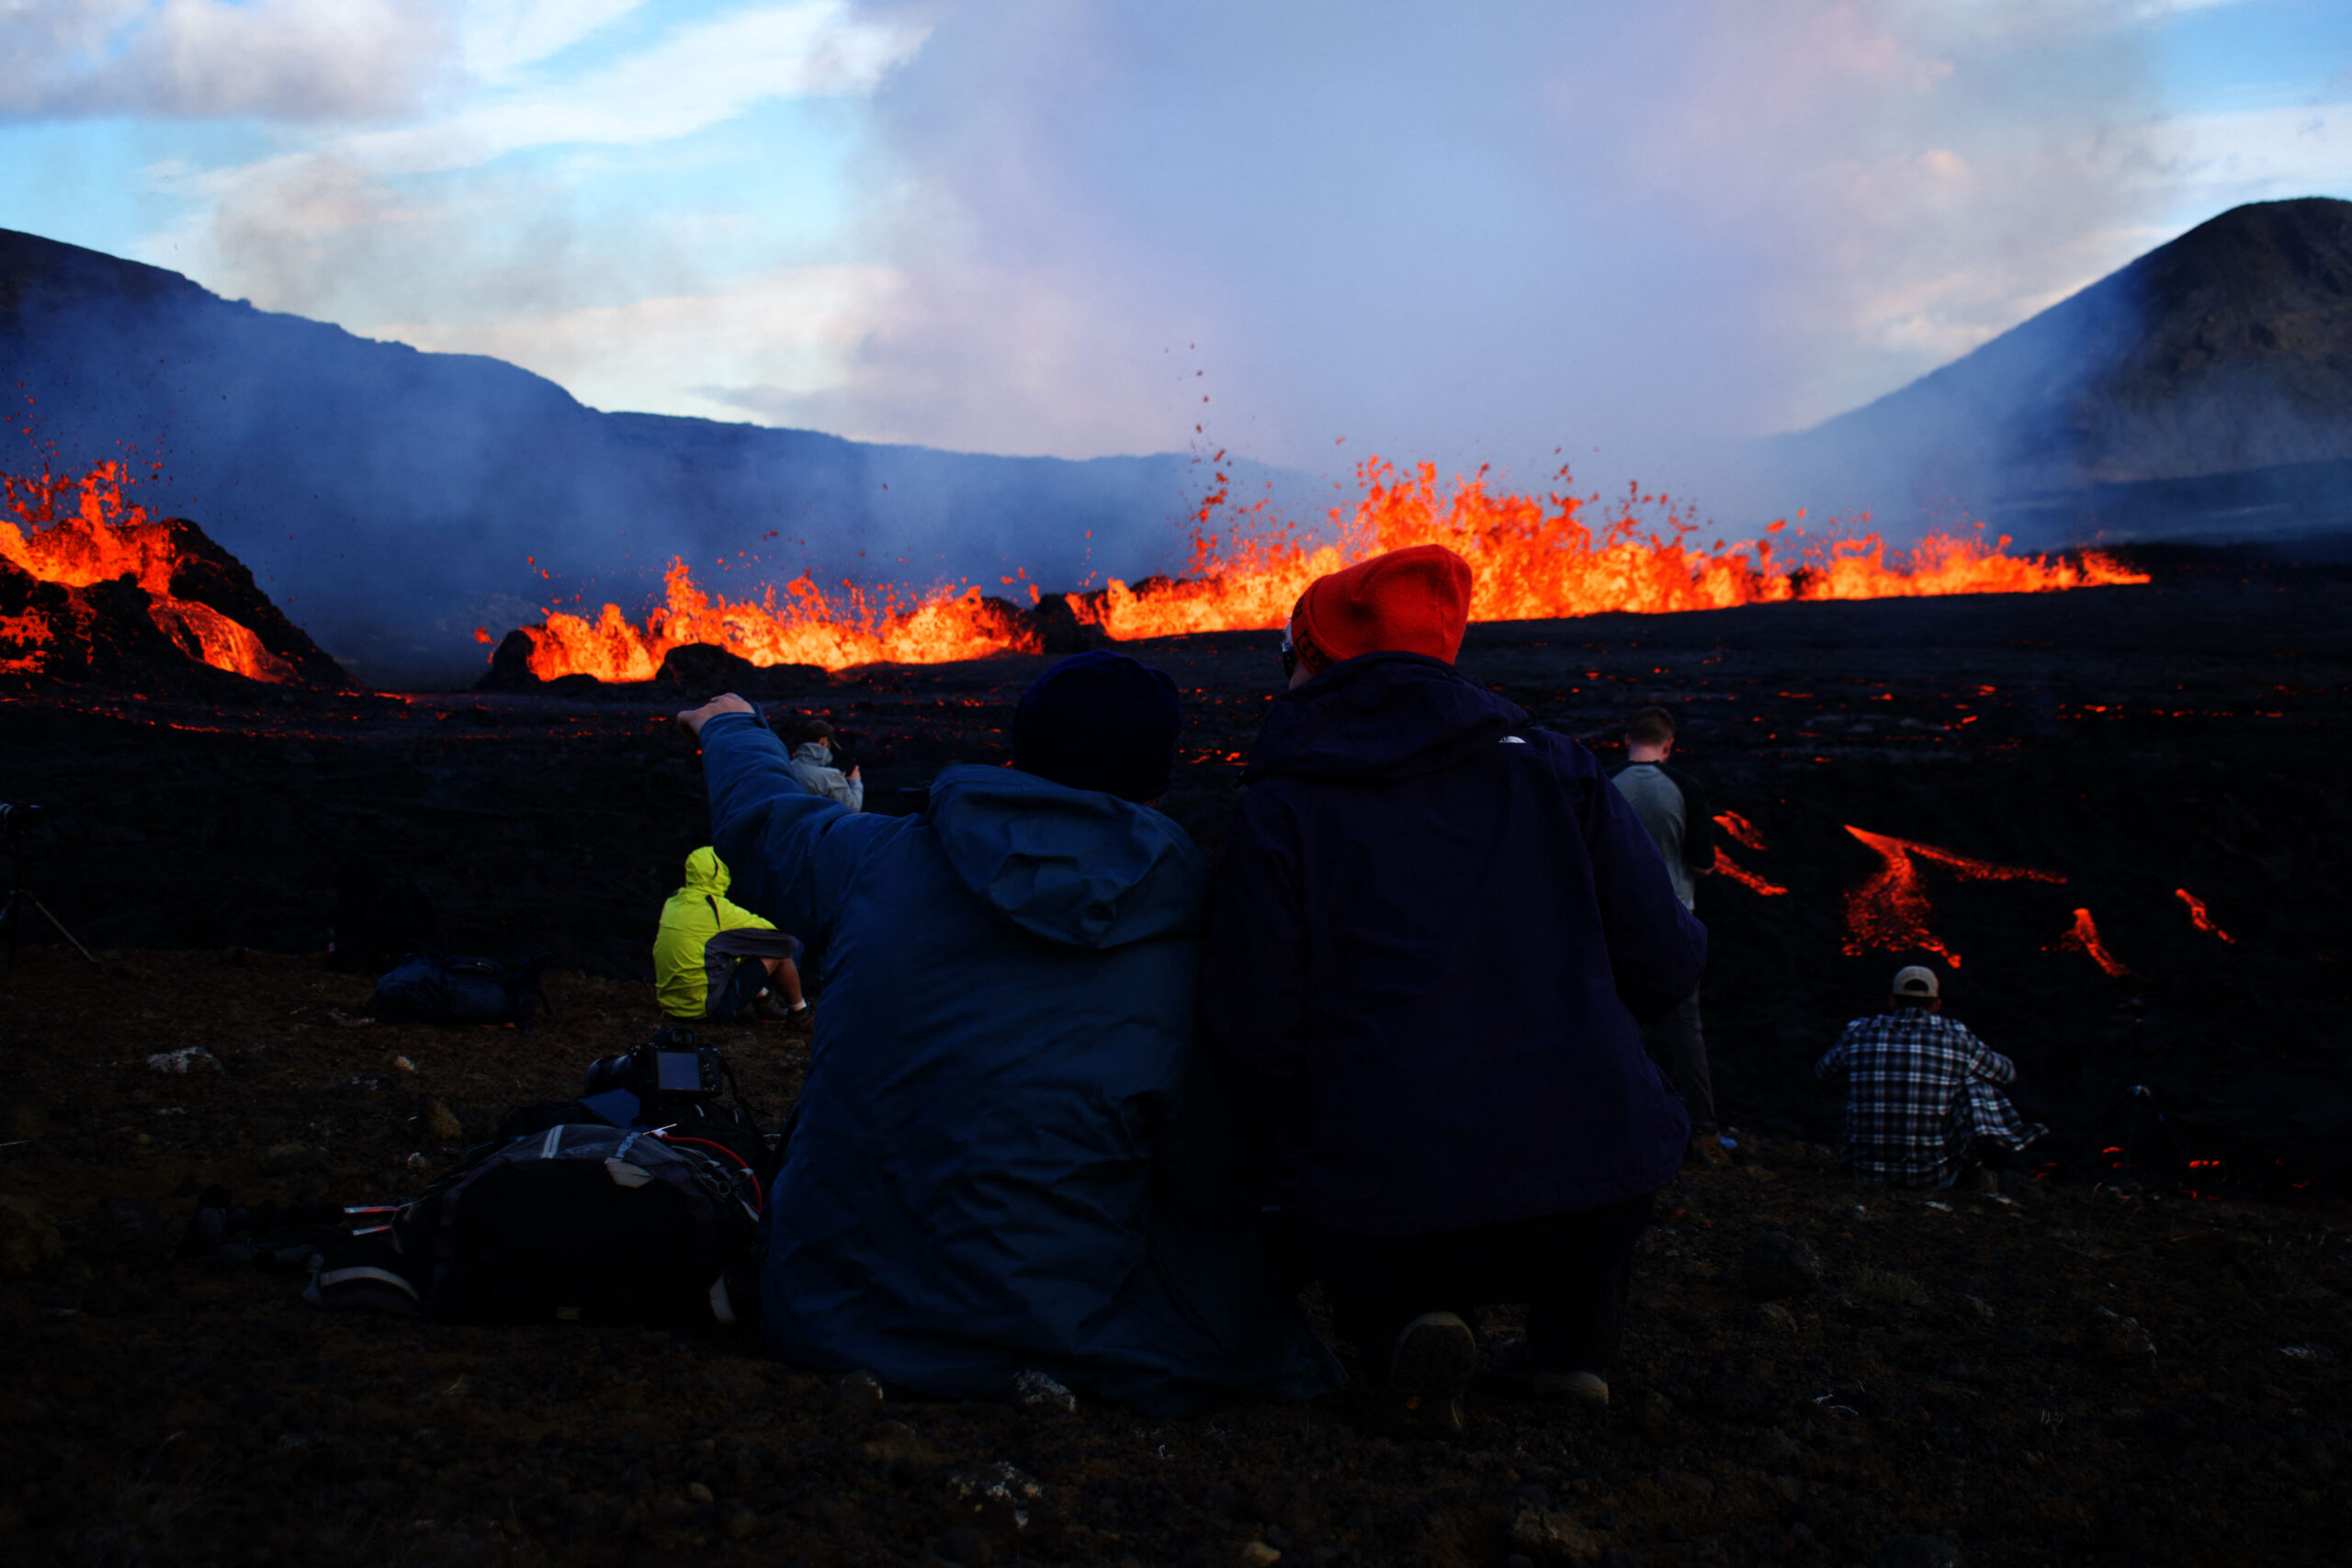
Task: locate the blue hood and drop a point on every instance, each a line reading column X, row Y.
column 1074, row 866
column 1382, row 715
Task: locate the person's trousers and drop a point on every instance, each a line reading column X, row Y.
column 1571, row 1269
column 1680, row 1046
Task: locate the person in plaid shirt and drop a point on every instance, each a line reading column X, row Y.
column 1920, row 1100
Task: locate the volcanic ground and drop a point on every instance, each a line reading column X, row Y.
column 1960, row 1368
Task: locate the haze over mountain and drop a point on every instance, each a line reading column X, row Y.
column 2205, row 389
column 393, row 501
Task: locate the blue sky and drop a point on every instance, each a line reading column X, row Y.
column 1468, row 233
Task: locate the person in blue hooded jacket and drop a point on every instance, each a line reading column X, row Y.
column 987, row 1175
column 1431, row 938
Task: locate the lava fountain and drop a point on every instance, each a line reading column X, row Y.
column 1535, row 557
column 77, row 556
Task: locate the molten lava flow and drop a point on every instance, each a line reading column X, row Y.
column 1743, row 833
column 1889, row 913
column 2083, row 937
column 1534, row 559
column 2204, row 921
column 802, row 626
column 1725, row 867
column 79, row 532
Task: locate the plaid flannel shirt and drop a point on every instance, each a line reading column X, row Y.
column 1920, row 1087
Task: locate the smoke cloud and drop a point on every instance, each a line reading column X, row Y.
column 1472, row 235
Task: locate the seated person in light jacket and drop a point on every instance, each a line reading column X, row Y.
column 812, row 764
column 1434, row 935
column 984, row 1179
column 716, row 961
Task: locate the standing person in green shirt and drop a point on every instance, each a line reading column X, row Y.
column 1673, row 806
column 714, row 960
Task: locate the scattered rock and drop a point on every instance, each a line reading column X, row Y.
column 860, row 1392
column 441, row 1125
column 1770, row 1317
column 1776, row 1265
column 1554, row 1533
column 1978, row 1305
column 403, row 1065
column 2117, row 1340
column 186, row 1060
column 1917, row 1551
column 1032, row 1390
column 698, row 1494
column 27, row 1238
column 743, row 1524
column 1258, row 1554
column 891, row 1441
column 1773, row 1447
column 996, row 1491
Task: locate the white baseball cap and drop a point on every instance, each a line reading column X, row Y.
column 1915, row 980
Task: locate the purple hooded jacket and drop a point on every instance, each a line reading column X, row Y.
column 1427, row 946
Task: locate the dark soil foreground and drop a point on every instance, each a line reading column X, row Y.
column 1956, row 1371
column 1962, row 1367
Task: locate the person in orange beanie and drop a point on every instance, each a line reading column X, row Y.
column 1433, row 933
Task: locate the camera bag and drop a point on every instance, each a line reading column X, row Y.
column 431, row 988
column 580, row 1223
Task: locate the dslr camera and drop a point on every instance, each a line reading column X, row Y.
column 669, row 1071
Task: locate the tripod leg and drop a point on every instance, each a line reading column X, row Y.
column 69, row 936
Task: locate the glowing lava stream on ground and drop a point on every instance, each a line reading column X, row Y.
column 2083, row 937
column 1889, row 913
column 1535, row 560
column 79, row 532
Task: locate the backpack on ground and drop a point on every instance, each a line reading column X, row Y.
column 579, row 1222
column 431, row 988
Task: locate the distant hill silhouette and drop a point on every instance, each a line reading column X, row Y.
column 2226, row 352
column 393, row 501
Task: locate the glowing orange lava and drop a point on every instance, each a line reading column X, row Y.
column 80, row 531
column 1534, row 559
column 1889, row 913
column 2197, row 913
column 1725, row 866
column 1743, row 833
column 2083, row 937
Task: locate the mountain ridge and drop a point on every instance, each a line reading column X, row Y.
column 2227, row 350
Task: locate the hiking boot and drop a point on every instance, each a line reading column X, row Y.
column 768, row 1008
column 1434, row 1357
column 801, row 1020
column 1981, row 1179
column 1571, row 1387
column 1708, row 1149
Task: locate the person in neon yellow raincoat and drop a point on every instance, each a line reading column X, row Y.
column 714, row 960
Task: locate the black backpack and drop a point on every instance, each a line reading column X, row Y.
column 431, row 988
column 577, row 1223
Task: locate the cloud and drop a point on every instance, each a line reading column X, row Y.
column 698, row 76
column 1472, row 235
column 285, row 59
column 498, row 38
column 756, row 343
